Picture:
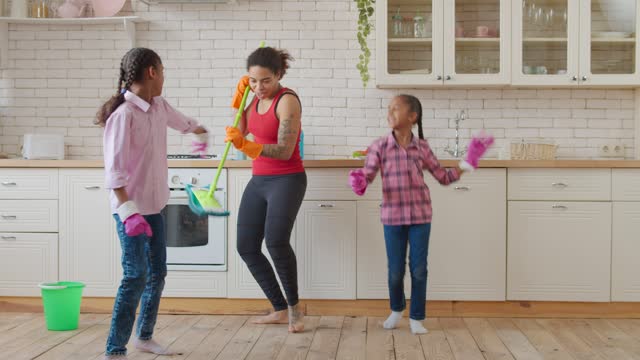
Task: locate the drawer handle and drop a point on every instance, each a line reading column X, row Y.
column 9, row 183
column 94, row 187
column 559, row 185
column 326, row 205
column 462, row 188
column 9, row 217
column 561, row 207
column 12, row 238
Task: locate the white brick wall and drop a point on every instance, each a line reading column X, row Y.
column 59, row 75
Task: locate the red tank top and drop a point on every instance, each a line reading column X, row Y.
column 264, row 128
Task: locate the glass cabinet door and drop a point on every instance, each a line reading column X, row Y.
column 477, row 41
column 609, row 40
column 411, row 36
column 546, row 42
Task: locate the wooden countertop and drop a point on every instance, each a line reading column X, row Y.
column 18, row 163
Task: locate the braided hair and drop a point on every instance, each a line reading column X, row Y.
column 416, row 107
column 132, row 68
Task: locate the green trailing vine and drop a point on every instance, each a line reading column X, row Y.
column 365, row 13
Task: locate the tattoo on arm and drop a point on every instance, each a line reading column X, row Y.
column 287, row 136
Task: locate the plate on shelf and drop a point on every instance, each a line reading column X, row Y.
column 107, row 8
column 612, row 34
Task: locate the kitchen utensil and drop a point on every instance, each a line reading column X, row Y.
column 106, row 8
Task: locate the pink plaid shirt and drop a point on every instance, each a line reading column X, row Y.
column 405, row 196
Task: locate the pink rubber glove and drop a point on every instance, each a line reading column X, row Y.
column 477, row 148
column 358, row 181
column 200, row 144
column 136, row 225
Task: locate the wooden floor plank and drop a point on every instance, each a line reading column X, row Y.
column 193, row 337
column 296, row 346
column 87, row 345
column 353, row 339
column 21, row 330
column 463, row 346
column 434, row 343
column 41, row 340
column 167, row 336
column 630, row 327
column 379, row 341
column 326, row 339
column 407, row 346
column 542, row 340
column 487, row 339
column 9, row 321
column 616, row 337
column 217, row 339
column 569, row 340
column 515, row 340
column 270, row 343
column 242, row 343
column 597, row 342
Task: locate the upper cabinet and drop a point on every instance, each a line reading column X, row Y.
column 417, row 40
column 507, row 42
column 575, row 42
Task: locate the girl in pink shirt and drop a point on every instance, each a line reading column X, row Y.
column 135, row 122
column 401, row 159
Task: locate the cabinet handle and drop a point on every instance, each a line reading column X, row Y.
column 325, row 205
column 462, row 188
column 9, row 183
column 448, row 77
column 574, row 78
column 9, row 217
column 94, row 187
column 556, row 206
column 439, row 77
column 584, row 78
column 12, row 238
column 219, row 189
column 559, row 185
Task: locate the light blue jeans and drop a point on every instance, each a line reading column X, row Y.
column 144, row 264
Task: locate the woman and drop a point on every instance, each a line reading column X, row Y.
column 272, row 198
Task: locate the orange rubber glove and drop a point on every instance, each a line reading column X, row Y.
column 237, row 97
column 252, row 149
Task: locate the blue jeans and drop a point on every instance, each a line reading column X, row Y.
column 396, row 239
column 144, row 264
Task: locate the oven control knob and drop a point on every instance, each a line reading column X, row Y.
column 194, row 181
column 175, row 179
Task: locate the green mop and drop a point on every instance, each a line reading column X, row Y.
column 201, row 199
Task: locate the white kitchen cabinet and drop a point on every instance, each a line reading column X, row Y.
column 198, row 284
column 559, row 251
column 28, row 184
column 89, row 245
column 27, row 259
column 326, row 249
column 625, row 267
column 29, row 215
column 467, row 249
column 576, row 42
column 466, row 42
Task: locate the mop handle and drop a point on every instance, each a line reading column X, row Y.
column 213, row 186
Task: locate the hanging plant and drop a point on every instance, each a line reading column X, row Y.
column 365, row 13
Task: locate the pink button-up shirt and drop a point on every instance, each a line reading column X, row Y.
column 135, row 150
column 405, row 196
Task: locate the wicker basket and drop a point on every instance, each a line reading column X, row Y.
column 533, row 150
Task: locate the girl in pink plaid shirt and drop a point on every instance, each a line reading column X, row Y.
column 406, row 210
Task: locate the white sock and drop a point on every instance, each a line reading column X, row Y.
column 392, row 320
column 417, row 327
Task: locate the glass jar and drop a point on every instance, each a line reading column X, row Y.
column 419, row 27
column 40, row 9
column 396, row 24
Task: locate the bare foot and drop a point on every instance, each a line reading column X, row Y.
column 296, row 319
column 276, row 317
column 153, row 347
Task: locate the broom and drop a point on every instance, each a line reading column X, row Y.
column 201, row 199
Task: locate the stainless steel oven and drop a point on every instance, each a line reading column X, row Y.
column 193, row 242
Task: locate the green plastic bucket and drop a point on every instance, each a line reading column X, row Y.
column 61, row 302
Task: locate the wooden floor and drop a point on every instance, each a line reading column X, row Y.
column 23, row 336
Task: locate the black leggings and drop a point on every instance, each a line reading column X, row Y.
column 268, row 211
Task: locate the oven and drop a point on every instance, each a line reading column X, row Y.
column 193, row 242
